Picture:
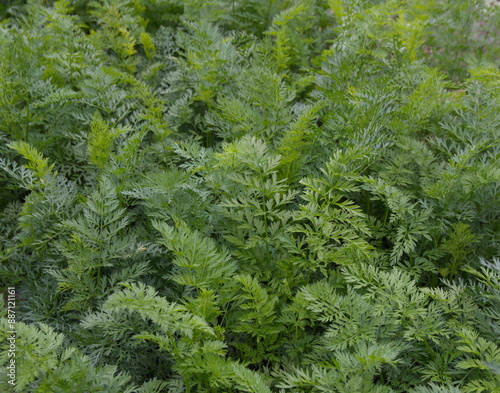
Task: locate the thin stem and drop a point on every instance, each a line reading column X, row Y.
column 266, row 229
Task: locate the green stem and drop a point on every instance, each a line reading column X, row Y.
column 367, row 202
column 27, row 125
column 266, row 230
column 268, row 16
column 98, row 276
column 386, row 216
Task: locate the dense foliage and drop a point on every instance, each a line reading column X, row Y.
column 251, row 195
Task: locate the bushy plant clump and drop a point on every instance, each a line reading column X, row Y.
column 251, row 195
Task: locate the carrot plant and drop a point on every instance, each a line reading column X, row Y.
column 250, row 196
